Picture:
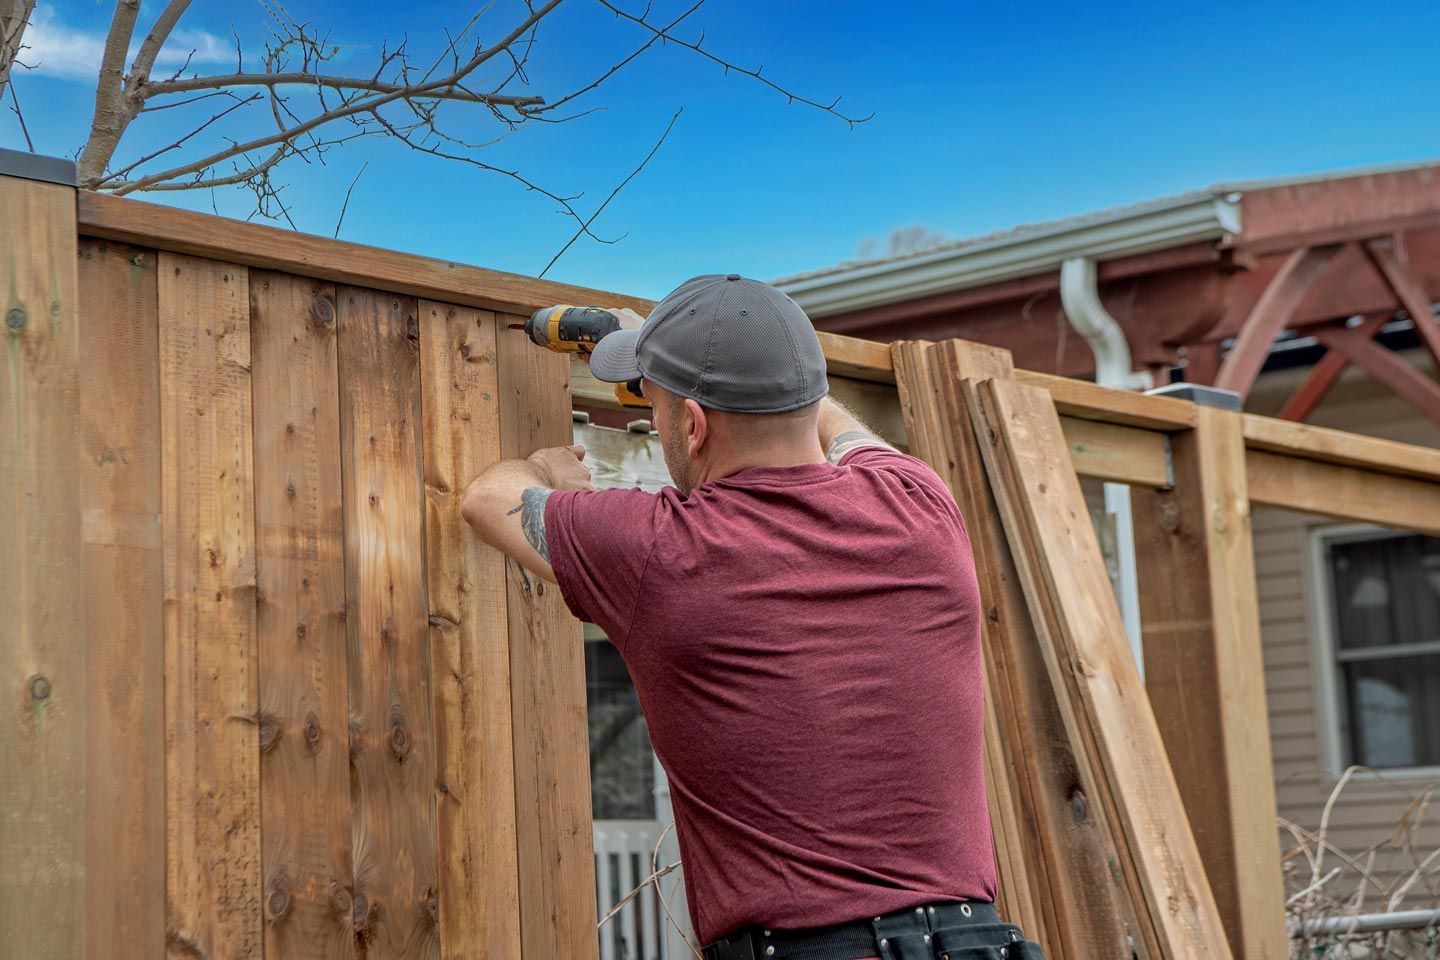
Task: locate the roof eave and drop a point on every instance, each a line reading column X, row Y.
column 1209, row 217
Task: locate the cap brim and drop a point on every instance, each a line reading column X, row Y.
column 614, row 358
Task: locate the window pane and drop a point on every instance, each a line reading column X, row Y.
column 1394, row 711
column 622, row 768
column 1386, row 591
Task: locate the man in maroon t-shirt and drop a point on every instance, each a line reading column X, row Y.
column 800, row 617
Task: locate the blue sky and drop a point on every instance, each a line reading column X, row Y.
column 986, row 116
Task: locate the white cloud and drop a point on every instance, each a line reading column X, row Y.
column 56, row 50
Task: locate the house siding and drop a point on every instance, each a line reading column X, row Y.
column 1368, row 809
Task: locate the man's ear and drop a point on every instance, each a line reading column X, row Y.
column 697, row 427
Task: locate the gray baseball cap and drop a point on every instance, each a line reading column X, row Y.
column 724, row 341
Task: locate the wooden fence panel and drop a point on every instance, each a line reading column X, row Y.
column 212, row 782
column 124, row 609
column 547, row 682
column 392, row 745
column 469, row 640
column 300, row 620
column 42, row 678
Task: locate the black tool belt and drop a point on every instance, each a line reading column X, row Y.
column 950, row 931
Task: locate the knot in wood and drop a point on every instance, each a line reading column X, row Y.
column 39, row 688
column 1170, row 516
column 399, row 742
column 322, row 312
column 301, row 631
column 269, row 733
column 312, row 731
column 15, row 318
column 465, row 351
column 431, row 904
column 341, row 900
column 362, row 914
column 277, row 905
column 1079, row 807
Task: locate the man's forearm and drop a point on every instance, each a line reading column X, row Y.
column 842, row 431
column 508, row 493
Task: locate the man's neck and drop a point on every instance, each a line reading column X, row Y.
column 774, row 456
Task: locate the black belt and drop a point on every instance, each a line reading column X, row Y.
column 899, row 935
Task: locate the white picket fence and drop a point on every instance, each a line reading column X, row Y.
column 623, row 852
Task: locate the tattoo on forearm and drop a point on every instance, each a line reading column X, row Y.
column 848, row 441
column 532, row 518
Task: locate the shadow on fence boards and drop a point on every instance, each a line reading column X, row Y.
column 264, row 694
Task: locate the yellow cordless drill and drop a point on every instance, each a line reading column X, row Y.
column 567, row 329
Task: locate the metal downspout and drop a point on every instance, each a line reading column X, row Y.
column 1080, row 296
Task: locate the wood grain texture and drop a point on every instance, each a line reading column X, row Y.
column 469, row 640
column 547, row 684
column 1342, row 492
column 1111, row 451
column 1204, row 675
column 272, row 248
column 1082, row 637
column 43, row 698
column 212, row 781
column 392, row 741
column 124, row 608
column 1337, row 446
column 1089, row 401
column 300, row 620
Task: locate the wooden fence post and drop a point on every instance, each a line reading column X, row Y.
column 42, row 677
column 1204, row 674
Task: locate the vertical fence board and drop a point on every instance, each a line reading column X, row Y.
column 547, row 682
column 211, row 706
column 300, row 620
column 392, row 747
column 1201, row 630
column 469, row 640
column 124, row 608
column 42, row 694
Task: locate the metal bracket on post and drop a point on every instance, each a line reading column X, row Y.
column 33, row 166
column 1201, row 394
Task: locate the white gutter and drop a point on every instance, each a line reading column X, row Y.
column 1080, row 296
column 1026, row 251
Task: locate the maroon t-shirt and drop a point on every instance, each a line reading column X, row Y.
column 805, row 643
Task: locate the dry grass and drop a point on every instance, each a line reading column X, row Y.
column 1397, row 873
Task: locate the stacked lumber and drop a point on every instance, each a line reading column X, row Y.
column 1097, row 844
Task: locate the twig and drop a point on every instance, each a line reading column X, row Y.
column 29, row 144
column 755, row 74
column 585, row 227
column 346, row 205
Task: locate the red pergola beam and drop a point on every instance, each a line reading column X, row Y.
column 1384, row 365
column 1323, row 375
column 1411, row 294
column 1275, row 308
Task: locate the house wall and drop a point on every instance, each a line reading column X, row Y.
column 1368, row 809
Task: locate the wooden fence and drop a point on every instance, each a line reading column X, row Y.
column 266, row 697
column 264, row 693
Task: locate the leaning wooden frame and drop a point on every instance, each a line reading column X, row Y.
column 186, row 771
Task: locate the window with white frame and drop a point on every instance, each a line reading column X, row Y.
column 1380, row 601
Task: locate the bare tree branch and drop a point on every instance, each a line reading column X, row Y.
column 755, row 74
column 155, row 39
column 361, row 105
column 457, row 92
column 14, row 18
column 585, row 227
column 351, row 189
column 29, row 144
column 111, row 117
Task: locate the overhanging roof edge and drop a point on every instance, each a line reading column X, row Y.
column 1191, row 218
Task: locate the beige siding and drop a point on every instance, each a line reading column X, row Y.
column 1367, row 811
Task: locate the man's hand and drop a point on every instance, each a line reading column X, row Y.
column 563, row 467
